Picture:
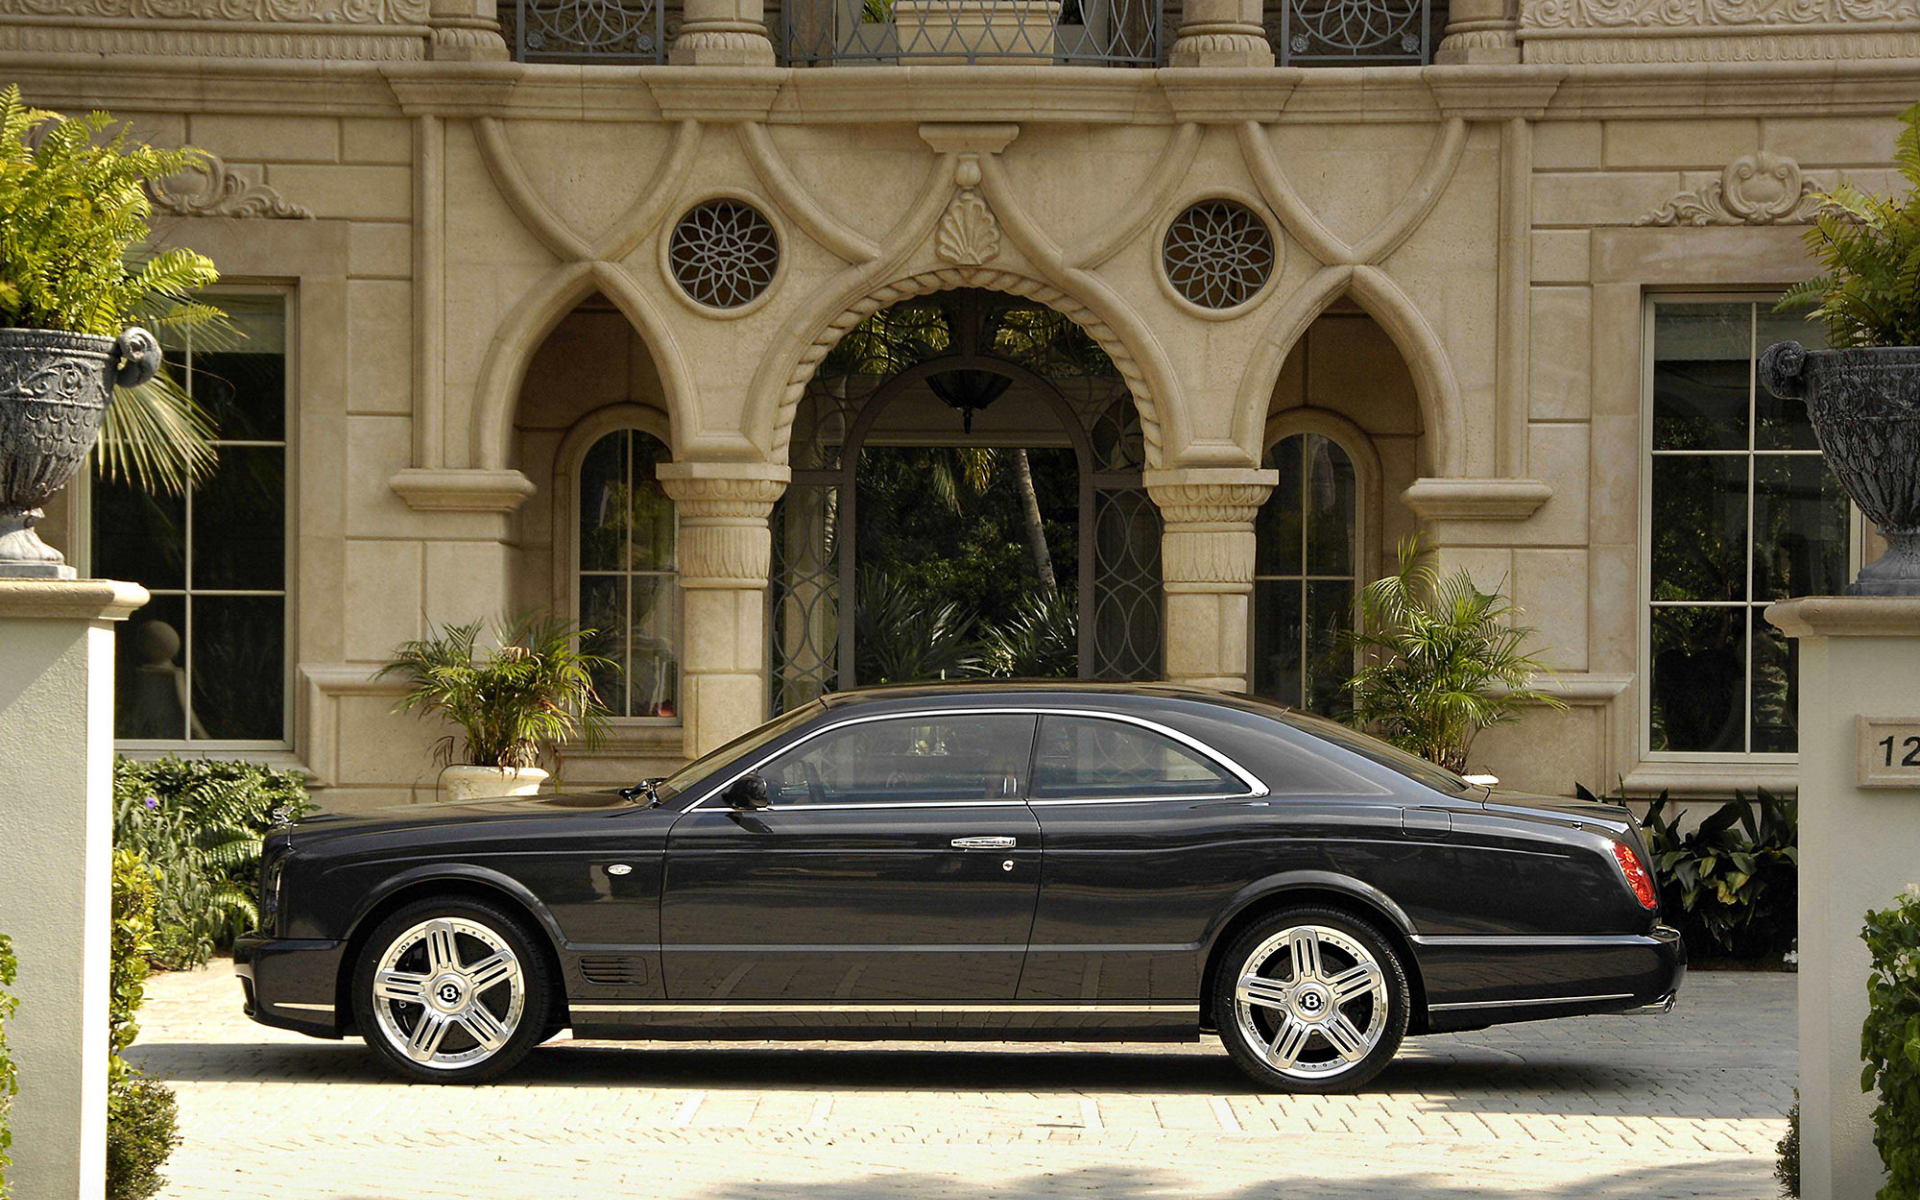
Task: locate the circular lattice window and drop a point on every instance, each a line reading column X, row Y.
column 1218, row 254
column 724, row 253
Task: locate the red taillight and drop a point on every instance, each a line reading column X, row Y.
column 1637, row 877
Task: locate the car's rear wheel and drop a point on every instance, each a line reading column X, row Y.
column 451, row 990
column 1311, row 999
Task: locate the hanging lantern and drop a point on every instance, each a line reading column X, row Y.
column 969, row 391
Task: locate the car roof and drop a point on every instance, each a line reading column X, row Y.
column 1030, row 690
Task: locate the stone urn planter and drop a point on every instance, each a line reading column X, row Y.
column 54, row 388
column 461, row 784
column 1006, row 32
column 1865, row 409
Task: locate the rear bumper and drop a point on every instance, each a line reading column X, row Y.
column 1473, row 982
column 292, row 983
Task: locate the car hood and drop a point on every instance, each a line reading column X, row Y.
column 1611, row 817
column 329, row 824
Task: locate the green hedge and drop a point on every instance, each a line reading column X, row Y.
column 142, row 1116
column 1890, row 1041
column 197, row 825
column 9, row 1082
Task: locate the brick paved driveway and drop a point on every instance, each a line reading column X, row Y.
column 1611, row 1107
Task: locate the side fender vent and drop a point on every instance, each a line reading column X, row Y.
column 613, row 970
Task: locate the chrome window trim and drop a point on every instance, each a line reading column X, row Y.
column 1255, row 788
column 1190, row 1007
column 1529, row 1003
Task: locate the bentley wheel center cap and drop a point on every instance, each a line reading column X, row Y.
column 447, row 993
column 1311, row 1003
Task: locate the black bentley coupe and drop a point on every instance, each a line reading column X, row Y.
column 995, row 861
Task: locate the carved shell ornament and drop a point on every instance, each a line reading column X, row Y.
column 968, row 235
column 208, row 189
column 1762, row 188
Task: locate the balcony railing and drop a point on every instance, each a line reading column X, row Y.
column 1352, row 33
column 925, row 32
column 598, row 31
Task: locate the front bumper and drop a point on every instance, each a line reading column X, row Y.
column 292, row 983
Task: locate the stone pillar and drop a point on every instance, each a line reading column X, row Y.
column 1859, row 846
column 722, row 33
column 725, row 551
column 1206, row 561
column 1480, row 31
column 56, row 807
column 1221, row 33
column 466, row 31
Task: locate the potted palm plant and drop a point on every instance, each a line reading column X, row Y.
column 1863, row 394
column 515, row 704
column 76, row 283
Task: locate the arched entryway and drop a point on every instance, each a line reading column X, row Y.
column 962, row 406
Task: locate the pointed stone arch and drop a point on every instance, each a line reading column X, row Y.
column 946, row 279
column 1442, row 411
column 504, row 370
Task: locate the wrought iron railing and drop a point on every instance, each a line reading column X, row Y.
column 913, row 32
column 1312, row 33
column 600, row 31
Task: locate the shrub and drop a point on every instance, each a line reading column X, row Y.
column 518, row 702
column 9, row 1080
column 1731, row 884
column 1443, row 661
column 197, row 825
column 1890, row 1041
column 1870, row 246
column 902, row 636
column 1041, row 641
column 141, row 1112
column 1786, row 1168
column 142, row 1131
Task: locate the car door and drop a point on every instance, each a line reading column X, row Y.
column 896, row 860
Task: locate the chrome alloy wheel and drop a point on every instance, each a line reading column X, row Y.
column 448, row 993
column 1312, row 1000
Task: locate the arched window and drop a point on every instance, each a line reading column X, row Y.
column 1306, row 575
column 627, row 586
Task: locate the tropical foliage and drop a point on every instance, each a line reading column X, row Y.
column 514, row 703
column 198, row 825
column 1890, row 1041
column 1869, row 294
column 1041, row 641
column 142, row 1118
column 1786, row 1163
column 9, row 1078
column 74, row 255
column 1730, row 883
column 1442, row 661
column 902, row 635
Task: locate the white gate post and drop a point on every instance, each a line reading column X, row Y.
column 56, row 848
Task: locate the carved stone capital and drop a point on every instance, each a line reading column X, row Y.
column 1218, row 497
column 722, row 508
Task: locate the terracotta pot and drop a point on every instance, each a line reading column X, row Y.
column 459, row 785
column 54, row 388
column 1865, row 409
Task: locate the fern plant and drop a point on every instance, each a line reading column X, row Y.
column 74, row 255
column 1040, row 641
column 514, row 704
column 1443, row 661
column 901, row 636
column 1869, row 294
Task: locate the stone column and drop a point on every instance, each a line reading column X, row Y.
column 1480, row 31
column 722, row 33
column 725, row 551
column 1221, row 33
column 466, row 31
column 1206, row 561
column 1859, row 846
column 56, row 806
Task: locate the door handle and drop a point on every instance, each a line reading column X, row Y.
column 984, row 843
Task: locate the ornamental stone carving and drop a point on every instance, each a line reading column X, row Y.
column 968, row 235
column 1693, row 14
column 723, row 538
column 325, row 12
column 208, row 189
column 1763, row 188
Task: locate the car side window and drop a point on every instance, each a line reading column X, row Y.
column 924, row 759
column 1092, row 758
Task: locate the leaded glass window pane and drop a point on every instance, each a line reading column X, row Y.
column 1305, row 584
column 629, row 592
column 1743, row 511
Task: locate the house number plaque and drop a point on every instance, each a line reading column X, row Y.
column 1889, row 752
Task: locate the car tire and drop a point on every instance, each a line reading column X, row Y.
column 452, row 990
column 1328, row 1004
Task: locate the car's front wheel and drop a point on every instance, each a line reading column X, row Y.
column 451, row 990
column 1311, row 999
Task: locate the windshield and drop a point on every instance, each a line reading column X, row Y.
column 1372, row 748
column 739, row 747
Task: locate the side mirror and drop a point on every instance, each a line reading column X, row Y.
column 747, row 792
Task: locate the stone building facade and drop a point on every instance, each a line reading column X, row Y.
column 1501, row 281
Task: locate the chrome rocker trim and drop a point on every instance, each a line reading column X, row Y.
column 656, row 1009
